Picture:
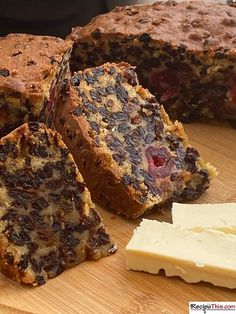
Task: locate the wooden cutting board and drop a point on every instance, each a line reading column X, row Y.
column 105, row 286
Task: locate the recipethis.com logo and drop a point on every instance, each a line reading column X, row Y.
column 211, row 307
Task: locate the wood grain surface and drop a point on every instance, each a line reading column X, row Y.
column 105, row 286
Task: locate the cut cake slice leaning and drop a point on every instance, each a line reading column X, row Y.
column 47, row 219
column 130, row 154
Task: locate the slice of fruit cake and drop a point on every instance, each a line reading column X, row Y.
column 47, row 219
column 130, row 154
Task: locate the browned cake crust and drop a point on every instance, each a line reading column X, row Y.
column 30, row 68
column 130, row 154
column 169, row 21
column 185, row 52
column 47, row 219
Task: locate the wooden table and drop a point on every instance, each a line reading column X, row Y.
column 105, row 286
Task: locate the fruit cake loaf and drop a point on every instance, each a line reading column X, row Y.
column 185, row 53
column 128, row 151
column 31, row 68
column 47, row 219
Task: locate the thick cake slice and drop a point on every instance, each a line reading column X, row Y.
column 128, row 151
column 31, row 71
column 47, row 219
column 184, row 52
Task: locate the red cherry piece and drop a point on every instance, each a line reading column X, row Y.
column 164, row 80
column 160, row 162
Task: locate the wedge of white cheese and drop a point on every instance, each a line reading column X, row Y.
column 197, row 217
column 207, row 256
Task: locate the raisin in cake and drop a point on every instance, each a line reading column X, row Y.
column 184, row 53
column 31, row 69
column 128, row 151
column 47, row 219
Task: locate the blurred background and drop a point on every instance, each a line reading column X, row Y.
column 54, row 17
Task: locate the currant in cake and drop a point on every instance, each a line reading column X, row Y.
column 31, row 70
column 47, row 219
column 130, row 154
column 184, row 53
